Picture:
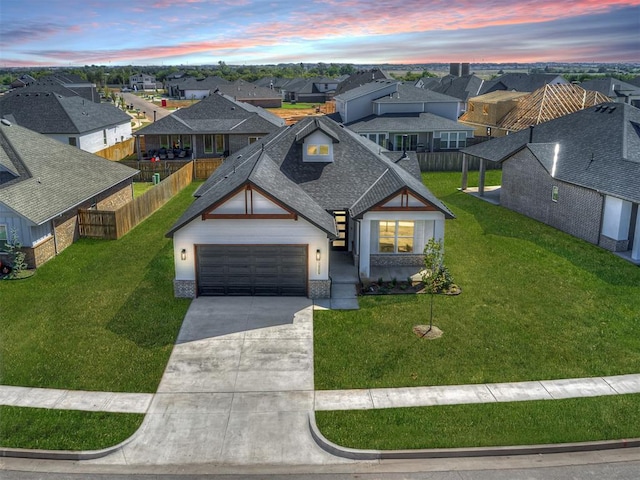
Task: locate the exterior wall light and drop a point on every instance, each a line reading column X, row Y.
column 318, row 255
column 183, row 254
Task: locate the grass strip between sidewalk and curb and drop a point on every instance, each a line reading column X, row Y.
column 47, row 429
column 485, row 425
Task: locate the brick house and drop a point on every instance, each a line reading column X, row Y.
column 43, row 183
column 579, row 173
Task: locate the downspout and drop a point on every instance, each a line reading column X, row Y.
column 55, row 238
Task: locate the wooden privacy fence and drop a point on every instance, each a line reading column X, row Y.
column 119, row 150
column 111, row 225
column 449, row 162
column 202, row 168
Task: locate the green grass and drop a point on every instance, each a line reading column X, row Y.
column 100, row 316
column 141, row 187
column 536, row 304
column 299, row 105
column 37, row 428
column 485, row 425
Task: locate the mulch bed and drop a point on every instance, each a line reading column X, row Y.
column 400, row 288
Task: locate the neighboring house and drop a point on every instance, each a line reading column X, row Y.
column 191, row 88
column 615, row 90
column 360, row 78
column 579, row 173
column 71, row 120
column 252, row 94
column 142, row 81
column 507, row 112
column 310, row 90
column 43, row 183
column 402, row 117
column 62, row 85
column 23, row 81
column 463, row 88
column 521, row 82
column 214, row 127
column 265, row 222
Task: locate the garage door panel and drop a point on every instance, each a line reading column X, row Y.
column 252, row 270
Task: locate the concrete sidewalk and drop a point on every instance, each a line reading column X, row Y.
column 365, row 399
column 356, row 399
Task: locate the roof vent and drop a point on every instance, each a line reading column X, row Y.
column 6, row 122
column 611, row 109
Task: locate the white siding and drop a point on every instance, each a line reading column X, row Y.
column 250, row 232
column 450, row 110
column 93, row 142
column 397, row 202
column 28, row 234
column 238, row 204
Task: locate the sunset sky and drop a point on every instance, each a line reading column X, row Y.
column 253, row 32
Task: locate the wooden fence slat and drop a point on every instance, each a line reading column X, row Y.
column 111, row 225
column 448, row 162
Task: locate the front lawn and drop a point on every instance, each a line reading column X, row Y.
column 100, row 316
column 536, row 304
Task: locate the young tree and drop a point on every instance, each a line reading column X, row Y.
column 17, row 256
column 435, row 276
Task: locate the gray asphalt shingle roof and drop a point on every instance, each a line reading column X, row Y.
column 51, row 113
column 410, row 94
column 216, row 113
column 407, row 122
column 359, row 177
column 52, row 177
column 599, row 148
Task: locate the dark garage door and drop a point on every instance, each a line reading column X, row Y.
column 252, row 270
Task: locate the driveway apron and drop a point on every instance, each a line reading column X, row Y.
column 237, row 390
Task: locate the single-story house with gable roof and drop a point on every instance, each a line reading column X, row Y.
column 43, row 183
column 579, row 173
column 266, row 221
column 214, row 127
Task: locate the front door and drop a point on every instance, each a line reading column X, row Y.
column 342, row 224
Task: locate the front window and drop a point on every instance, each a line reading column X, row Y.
column 395, row 236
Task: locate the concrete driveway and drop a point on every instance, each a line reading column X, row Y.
column 237, row 390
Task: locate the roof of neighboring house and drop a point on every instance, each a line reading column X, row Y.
column 406, row 122
column 360, row 78
column 611, row 87
column 410, row 94
column 48, row 177
column 241, row 90
column 521, row 82
column 52, row 113
column 367, row 88
column 635, row 81
column 216, row 113
column 360, row 176
column 193, row 83
column 84, row 90
column 461, row 88
column 599, row 148
column 549, row 102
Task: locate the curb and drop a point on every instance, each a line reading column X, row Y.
column 64, row 454
column 355, row 454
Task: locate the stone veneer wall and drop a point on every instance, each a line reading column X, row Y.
column 184, row 288
column 614, row 245
column 401, row 260
column 319, row 288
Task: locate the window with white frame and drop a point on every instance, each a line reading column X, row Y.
column 214, row 144
column 396, row 236
column 451, row 140
column 317, row 149
column 554, row 193
column 379, row 138
column 253, row 139
column 104, row 136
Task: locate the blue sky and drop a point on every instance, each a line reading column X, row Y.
column 155, row 32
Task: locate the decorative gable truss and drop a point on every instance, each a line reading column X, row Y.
column 405, row 201
column 249, row 202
